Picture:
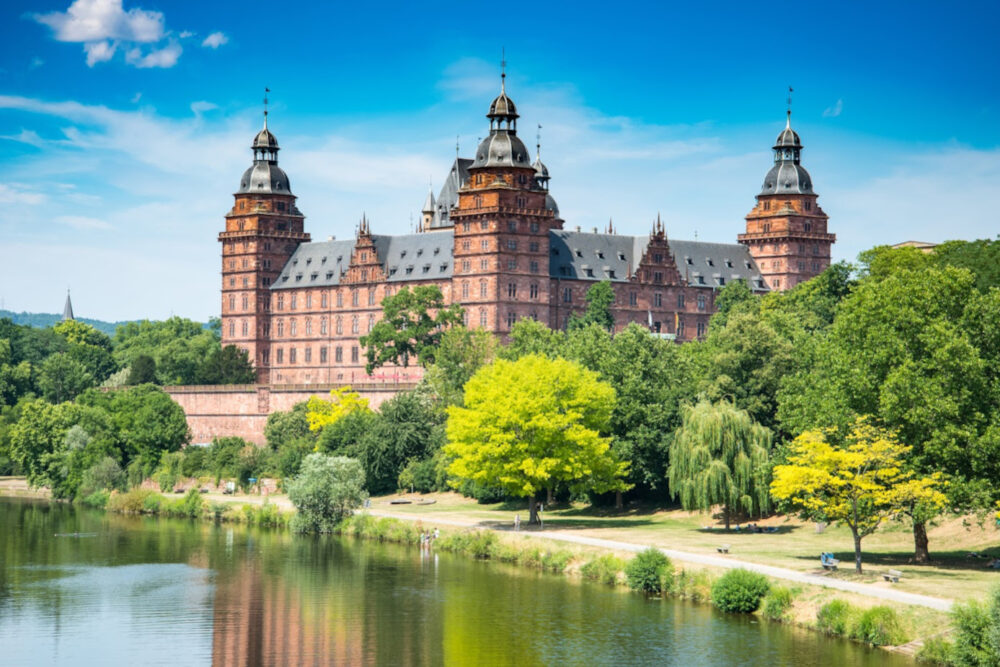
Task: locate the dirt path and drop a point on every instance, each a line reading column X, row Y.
column 726, row 562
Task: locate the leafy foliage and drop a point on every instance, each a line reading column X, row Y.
column 740, row 591
column 533, row 423
column 600, row 297
column 460, row 354
column 859, row 485
column 327, row 490
column 412, row 324
column 879, row 626
column 649, row 572
column 226, row 365
column 836, row 617
column 777, row 602
column 321, row 413
column 720, row 456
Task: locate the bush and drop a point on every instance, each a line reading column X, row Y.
column 106, row 474
column 695, row 585
column 879, row 626
column 328, row 490
column 153, row 503
column 419, row 476
column 130, row 502
column 169, row 471
column 971, row 622
column 835, row 617
column 777, row 603
column 937, row 651
column 603, row 569
column 649, row 571
column 740, row 591
column 188, row 506
column 194, row 461
column 97, row 499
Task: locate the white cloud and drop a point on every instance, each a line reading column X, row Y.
column 35, row 63
column 99, row 52
column 136, row 98
column 215, row 40
column 165, row 57
column 17, row 193
column 201, row 106
column 186, row 34
column 835, row 110
column 29, row 137
column 82, row 222
column 97, row 20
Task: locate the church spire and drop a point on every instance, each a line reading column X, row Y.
column 67, row 309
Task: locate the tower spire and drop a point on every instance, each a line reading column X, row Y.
column 503, row 68
column 68, row 308
column 266, row 91
column 788, row 113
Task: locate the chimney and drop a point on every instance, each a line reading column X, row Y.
column 578, row 228
column 595, row 230
column 331, row 237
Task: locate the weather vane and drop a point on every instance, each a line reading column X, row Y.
column 266, row 91
column 790, row 91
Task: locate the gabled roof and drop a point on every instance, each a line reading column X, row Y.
column 448, row 197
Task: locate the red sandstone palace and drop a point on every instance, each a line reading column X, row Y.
column 492, row 241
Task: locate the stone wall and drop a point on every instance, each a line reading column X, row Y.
column 242, row 410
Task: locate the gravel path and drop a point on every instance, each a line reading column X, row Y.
column 870, row 590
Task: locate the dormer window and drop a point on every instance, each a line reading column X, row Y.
column 427, row 267
column 600, row 254
column 729, row 263
column 689, row 261
column 708, row 260
column 420, row 251
column 437, row 250
column 309, row 261
column 409, row 270
column 621, row 256
column 578, row 252
column 402, row 253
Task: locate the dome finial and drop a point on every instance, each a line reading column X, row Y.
column 503, row 68
column 788, row 113
column 538, row 143
column 266, row 91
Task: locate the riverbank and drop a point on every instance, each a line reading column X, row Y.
column 576, row 536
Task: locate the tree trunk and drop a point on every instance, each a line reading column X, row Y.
column 532, row 511
column 548, row 496
column 857, row 552
column 618, row 500
column 725, row 515
column 921, row 553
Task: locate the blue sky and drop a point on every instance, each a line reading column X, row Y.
column 124, row 128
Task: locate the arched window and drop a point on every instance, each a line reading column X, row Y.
column 354, row 324
column 281, row 328
column 482, row 317
column 322, row 326
column 340, row 325
column 292, row 327
column 465, row 290
column 245, row 328
column 232, row 329
column 371, row 323
column 482, row 288
column 309, row 327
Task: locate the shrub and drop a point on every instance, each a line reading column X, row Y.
column 105, row 474
column 328, row 490
column 130, row 502
column 937, row 651
column 98, row 499
column 419, row 476
column 188, row 506
column 777, row 603
column 194, row 461
column 879, row 626
column 971, row 622
column 603, row 569
column 153, row 503
column 695, row 585
column 835, row 617
column 649, row 571
column 740, row 591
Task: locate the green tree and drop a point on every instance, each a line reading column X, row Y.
column 178, row 346
column 460, row 354
column 719, row 456
column 529, row 336
column 531, row 424
column 327, row 490
column 63, row 378
column 226, row 365
column 904, row 349
column 859, row 485
column 412, row 324
column 981, row 257
column 282, row 428
column 15, row 379
column 600, row 298
column 143, row 370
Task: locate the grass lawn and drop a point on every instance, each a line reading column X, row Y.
column 796, row 545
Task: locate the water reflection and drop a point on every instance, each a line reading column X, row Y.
column 146, row 591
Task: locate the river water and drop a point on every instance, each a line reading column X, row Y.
column 81, row 587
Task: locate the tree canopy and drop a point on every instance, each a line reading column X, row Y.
column 412, row 324
column 530, row 424
column 600, row 297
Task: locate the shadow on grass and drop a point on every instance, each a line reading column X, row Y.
column 942, row 563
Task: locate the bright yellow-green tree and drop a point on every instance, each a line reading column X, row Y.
column 530, row 424
column 860, row 484
column 321, row 413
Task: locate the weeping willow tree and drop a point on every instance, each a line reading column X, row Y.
column 719, row 457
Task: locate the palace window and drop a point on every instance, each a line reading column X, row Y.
column 680, row 328
column 534, row 228
column 808, row 205
column 354, row 354
column 338, row 355
column 808, row 226
column 484, row 264
column 246, row 282
column 701, row 329
column 633, row 298
column 658, row 258
column 371, row 323
column 466, row 226
column 245, row 302
column 293, row 300
column 291, row 328
column 309, row 300
column 354, row 325
column 281, row 328
column 534, row 267
column 465, row 290
column 522, row 201
column 354, row 297
column 478, row 201
column 567, row 294
column 232, row 302
column 322, row 355
column 484, row 244
column 512, row 290
column 512, row 265
column 802, row 266
column 511, row 318
column 482, row 288
column 324, row 301
column 339, row 326
column 701, row 302
column 309, row 355
column 533, row 246
column 340, row 299
column 657, row 276
column 533, row 291
column 371, row 297
column 309, row 327
column 512, row 226
column 466, row 244
column 232, row 282
column 280, row 355
column 658, row 300
column 291, row 355
column 482, row 317
column 484, row 224
column 511, row 244
column 466, row 266
column 322, row 326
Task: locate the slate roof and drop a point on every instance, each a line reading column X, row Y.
column 448, row 197
column 586, row 256
column 407, row 257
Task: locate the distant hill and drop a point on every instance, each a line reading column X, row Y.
column 42, row 320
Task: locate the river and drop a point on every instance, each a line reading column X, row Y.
column 81, row 587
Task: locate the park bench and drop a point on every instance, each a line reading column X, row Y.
column 828, row 561
column 724, row 549
column 893, row 576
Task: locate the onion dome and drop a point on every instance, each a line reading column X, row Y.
column 787, row 176
column 502, row 148
column 550, row 204
column 265, row 176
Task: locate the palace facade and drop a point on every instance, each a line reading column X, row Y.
column 493, row 241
